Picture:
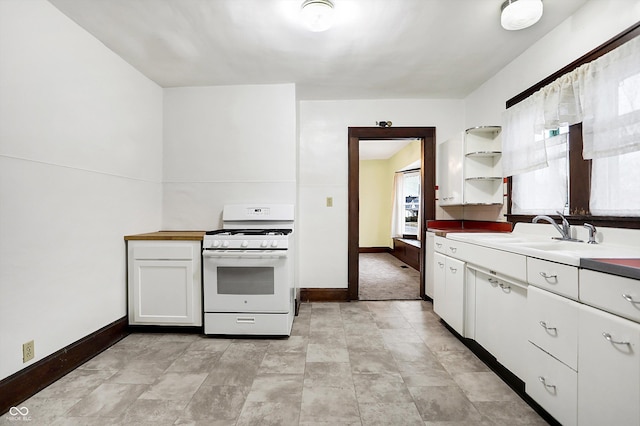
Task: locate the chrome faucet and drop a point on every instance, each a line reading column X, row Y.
column 592, row 233
column 565, row 231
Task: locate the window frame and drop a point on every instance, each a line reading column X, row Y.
column 579, row 169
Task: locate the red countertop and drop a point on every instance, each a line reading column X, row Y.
column 442, row 227
column 629, row 268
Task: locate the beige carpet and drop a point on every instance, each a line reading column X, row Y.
column 384, row 277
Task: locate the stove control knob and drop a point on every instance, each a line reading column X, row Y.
column 274, row 244
column 245, row 243
column 264, row 243
column 225, row 244
column 215, row 243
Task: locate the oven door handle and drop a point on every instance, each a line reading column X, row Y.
column 221, row 254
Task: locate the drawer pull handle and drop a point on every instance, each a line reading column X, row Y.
column 440, row 264
column 439, row 245
column 544, row 382
column 454, row 270
column 546, row 327
column 493, row 281
column 614, row 342
column 453, row 249
column 629, row 298
column 547, row 276
column 505, row 288
column 245, row 320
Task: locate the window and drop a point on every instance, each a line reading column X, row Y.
column 614, row 189
column 411, row 194
column 591, row 173
column 546, row 190
column 405, row 216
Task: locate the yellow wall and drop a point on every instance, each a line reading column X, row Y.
column 376, row 195
column 404, row 157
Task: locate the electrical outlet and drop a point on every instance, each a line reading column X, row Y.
column 28, row 351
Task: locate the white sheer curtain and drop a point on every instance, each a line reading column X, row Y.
column 523, row 148
column 610, row 92
column 398, row 212
column 546, row 190
column 615, row 185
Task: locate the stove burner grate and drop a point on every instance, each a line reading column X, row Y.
column 223, row 232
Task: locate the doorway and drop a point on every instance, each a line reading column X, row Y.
column 427, row 197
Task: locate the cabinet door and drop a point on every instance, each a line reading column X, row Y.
column 608, row 369
column 439, row 291
column 162, row 293
column 454, row 294
column 487, row 316
column 512, row 342
column 429, row 265
column 449, row 169
column 500, row 321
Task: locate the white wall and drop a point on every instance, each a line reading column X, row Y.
column 225, row 145
column 323, row 172
column 80, row 167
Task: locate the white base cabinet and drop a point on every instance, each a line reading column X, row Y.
column 449, row 291
column 571, row 334
column 609, row 369
column 165, row 283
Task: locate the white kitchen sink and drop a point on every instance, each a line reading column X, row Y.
column 537, row 240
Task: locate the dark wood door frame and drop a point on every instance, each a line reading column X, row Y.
column 427, row 197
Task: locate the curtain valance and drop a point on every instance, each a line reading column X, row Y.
column 603, row 94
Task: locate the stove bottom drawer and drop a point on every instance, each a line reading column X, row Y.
column 248, row 324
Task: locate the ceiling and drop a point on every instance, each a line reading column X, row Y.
column 377, row 49
column 381, row 149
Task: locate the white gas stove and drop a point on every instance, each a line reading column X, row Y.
column 248, row 272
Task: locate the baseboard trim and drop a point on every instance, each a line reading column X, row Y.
column 375, row 250
column 324, row 294
column 29, row 381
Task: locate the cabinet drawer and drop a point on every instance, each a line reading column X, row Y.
column 496, row 261
column 252, row 324
column 440, row 245
column 618, row 295
column 553, row 385
column 555, row 277
column 450, row 248
column 552, row 324
column 160, row 251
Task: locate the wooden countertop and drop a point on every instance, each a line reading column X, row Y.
column 629, row 268
column 168, row 235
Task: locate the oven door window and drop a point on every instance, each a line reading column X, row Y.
column 242, row 280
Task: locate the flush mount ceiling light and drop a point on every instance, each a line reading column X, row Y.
column 317, row 15
column 520, row 14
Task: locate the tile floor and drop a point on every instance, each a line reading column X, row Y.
column 362, row 363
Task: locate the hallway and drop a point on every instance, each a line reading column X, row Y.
column 384, row 277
